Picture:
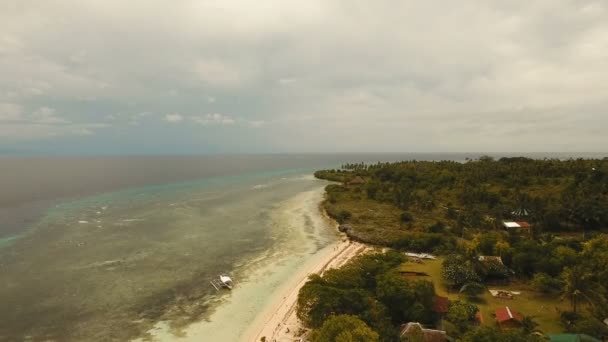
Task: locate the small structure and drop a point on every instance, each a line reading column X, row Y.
column 502, row 294
column 572, row 338
column 489, row 258
column 507, row 318
column 358, row 180
column 441, row 305
column 520, row 212
column 411, row 274
column 415, row 332
column 606, row 321
column 421, row 255
column 510, row 225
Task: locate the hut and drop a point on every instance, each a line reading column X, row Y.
column 441, row 305
column 507, row 318
column 490, row 259
column 413, row 331
column 520, row 225
column 357, row 180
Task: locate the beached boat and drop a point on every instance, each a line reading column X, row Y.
column 223, row 281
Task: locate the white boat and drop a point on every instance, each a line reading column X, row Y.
column 223, row 281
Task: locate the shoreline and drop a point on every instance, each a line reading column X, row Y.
column 278, row 321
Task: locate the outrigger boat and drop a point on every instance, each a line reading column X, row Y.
column 223, row 281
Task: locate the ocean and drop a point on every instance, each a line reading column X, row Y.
column 119, row 248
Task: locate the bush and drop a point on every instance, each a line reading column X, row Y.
column 544, row 283
column 406, row 217
column 343, row 215
column 344, row 328
column 438, row 227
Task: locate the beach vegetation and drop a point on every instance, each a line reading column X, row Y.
column 344, row 328
column 555, row 260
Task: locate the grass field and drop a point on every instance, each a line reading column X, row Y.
column 544, row 310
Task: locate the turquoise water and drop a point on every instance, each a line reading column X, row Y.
column 111, row 266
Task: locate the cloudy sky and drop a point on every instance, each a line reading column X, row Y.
column 207, row 76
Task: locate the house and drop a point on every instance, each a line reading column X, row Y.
column 507, row 318
column 441, row 305
column 572, row 338
column 420, row 255
column 489, row 259
column 414, row 332
column 358, row 180
column 510, row 225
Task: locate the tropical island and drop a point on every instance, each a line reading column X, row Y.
column 513, row 249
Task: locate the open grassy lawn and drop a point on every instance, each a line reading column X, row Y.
column 529, row 303
column 545, row 310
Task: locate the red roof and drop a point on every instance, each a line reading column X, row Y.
column 523, row 224
column 441, row 304
column 506, row 314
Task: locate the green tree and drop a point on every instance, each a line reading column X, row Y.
column 406, row 300
column 577, row 286
column 344, row 328
column 493, row 334
column 461, row 315
column 458, row 270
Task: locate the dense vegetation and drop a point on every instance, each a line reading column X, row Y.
column 457, row 209
column 371, row 289
column 429, row 197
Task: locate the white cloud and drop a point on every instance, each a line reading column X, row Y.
column 223, row 73
column 10, row 112
column 395, row 74
column 174, row 118
column 46, row 115
column 214, row 119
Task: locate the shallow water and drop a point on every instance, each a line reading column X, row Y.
column 111, row 266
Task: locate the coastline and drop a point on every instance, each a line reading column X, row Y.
column 278, row 321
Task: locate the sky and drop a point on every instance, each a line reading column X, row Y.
column 277, row 76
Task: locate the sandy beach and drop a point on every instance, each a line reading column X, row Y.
column 278, row 322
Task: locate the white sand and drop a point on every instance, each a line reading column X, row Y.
column 264, row 304
column 279, row 322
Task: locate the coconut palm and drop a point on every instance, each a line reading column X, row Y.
column 578, row 286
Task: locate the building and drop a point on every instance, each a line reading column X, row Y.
column 441, row 305
column 510, row 225
column 507, row 318
column 358, row 180
column 414, row 332
column 487, row 258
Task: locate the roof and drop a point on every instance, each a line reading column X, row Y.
column 356, row 180
column 441, row 304
column 420, row 255
column 509, row 224
column 573, row 338
column 484, row 258
column 506, row 314
column 519, row 224
column 520, row 212
column 429, row 335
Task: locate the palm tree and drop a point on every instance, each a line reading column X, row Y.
column 578, row 286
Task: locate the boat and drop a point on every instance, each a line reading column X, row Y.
column 223, row 281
